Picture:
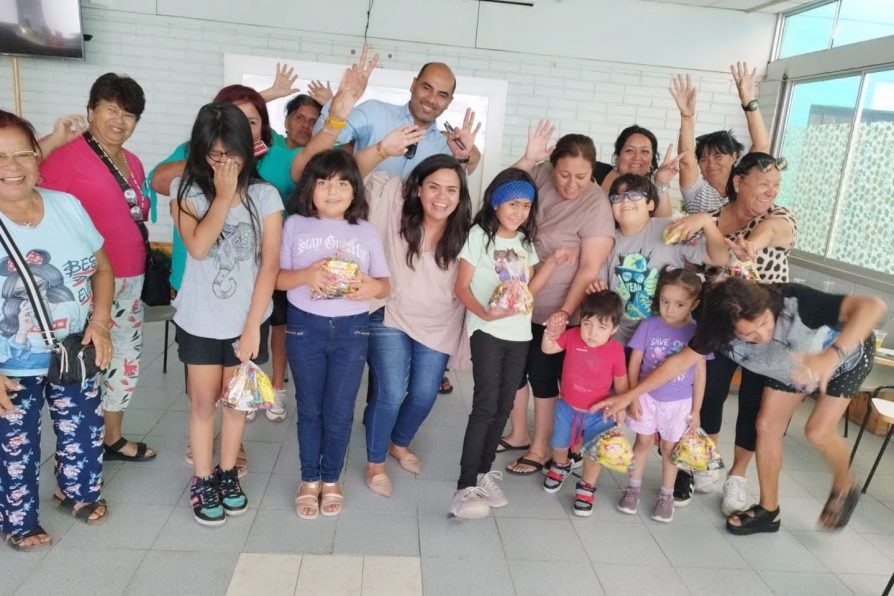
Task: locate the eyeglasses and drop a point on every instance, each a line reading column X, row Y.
column 633, row 195
column 23, row 158
column 766, row 164
column 220, row 156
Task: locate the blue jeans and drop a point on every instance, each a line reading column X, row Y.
column 326, row 356
column 78, row 422
column 404, row 377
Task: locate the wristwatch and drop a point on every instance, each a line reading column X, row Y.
column 751, row 106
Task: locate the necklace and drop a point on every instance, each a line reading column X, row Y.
column 28, row 223
column 111, row 161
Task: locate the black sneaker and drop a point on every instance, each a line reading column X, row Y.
column 683, row 488
column 232, row 498
column 205, row 498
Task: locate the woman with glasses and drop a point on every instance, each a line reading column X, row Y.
column 107, row 180
column 706, row 161
column 64, row 255
column 763, row 234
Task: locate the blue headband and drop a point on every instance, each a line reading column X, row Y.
column 509, row 191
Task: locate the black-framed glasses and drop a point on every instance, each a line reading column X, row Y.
column 20, row 157
column 632, row 195
column 220, row 156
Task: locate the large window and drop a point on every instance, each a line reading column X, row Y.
column 834, row 24
column 839, row 140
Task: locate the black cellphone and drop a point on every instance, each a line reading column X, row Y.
column 411, row 151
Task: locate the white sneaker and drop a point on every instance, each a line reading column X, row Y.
column 734, row 496
column 705, row 481
column 495, row 495
column 250, row 416
column 277, row 412
column 470, row 503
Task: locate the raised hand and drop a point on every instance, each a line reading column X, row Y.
column 319, row 92
column 746, row 82
column 68, row 128
column 538, row 148
column 283, row 82
column 396, row 142
column 597, row 285
column 684, row 94
column 670, row 166
column 353, row 84
column 462, row 139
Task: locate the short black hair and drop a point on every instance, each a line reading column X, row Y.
column 636, row 129
column 324, row 166
column 604, row 304
column 302, row 100
column 119, row 89
column 720, row 141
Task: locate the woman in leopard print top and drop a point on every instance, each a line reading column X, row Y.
column 764, row 233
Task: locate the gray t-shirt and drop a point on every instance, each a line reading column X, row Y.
column 634, row 264
column 216, row 292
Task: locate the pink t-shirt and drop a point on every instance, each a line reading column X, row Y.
column 422, row 303
column 562, row 222
column 588, row 373
column 74, row 168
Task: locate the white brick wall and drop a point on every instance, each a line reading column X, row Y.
column 179, row 63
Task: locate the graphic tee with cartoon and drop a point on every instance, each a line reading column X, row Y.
column 60, row 252
column 504, row 261
column 635, row 263
column 216, row 291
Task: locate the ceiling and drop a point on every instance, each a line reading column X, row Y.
column 770, row 6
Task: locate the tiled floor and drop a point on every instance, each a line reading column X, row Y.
column 406, row 544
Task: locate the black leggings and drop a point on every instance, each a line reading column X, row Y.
column 720, row 373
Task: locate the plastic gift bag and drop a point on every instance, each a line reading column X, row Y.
column 249, row 389
column 347, row 277
column 611, row 449
column 696, row 452
column 511, row 296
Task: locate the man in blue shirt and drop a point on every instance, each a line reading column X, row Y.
column 430, row 94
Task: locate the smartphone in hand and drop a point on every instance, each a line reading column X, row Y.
column 411, row 151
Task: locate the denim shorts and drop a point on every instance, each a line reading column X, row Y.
column 569, row 424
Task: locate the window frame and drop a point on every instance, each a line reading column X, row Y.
column 854, row 273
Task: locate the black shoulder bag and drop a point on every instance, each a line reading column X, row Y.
column 70, row 362
column 156, row 282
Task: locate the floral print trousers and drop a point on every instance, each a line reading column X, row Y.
column 120, row 380
column 76, row 411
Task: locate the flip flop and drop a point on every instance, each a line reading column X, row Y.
column 525, row 462
column 505, row 446
column 113, row 451
column 839, row 508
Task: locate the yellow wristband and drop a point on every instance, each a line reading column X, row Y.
column 338, row 124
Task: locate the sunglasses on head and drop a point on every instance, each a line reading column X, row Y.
column 632, row 195
column 766, row 164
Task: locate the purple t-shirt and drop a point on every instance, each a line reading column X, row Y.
column 306, row 240
column 657, row 340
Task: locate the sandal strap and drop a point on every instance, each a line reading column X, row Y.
column 585, row 492
column 89, row 509
column 117, row 445
column 141, row 448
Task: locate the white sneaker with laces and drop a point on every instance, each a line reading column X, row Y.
column 495, row 495
column 277, row 412
column 705, row 481
column 470, row 503
column 735, row 498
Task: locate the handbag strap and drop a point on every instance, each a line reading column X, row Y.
column 119, row 178
column 40, row 311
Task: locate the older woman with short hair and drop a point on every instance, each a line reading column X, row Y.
column 107, row 180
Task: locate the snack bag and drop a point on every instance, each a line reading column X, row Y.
column 611, row 449
column 346, row 273
column 511, row 296
column 671, row 237
column 743, row 269
column 249, row 389
column 696, row 452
